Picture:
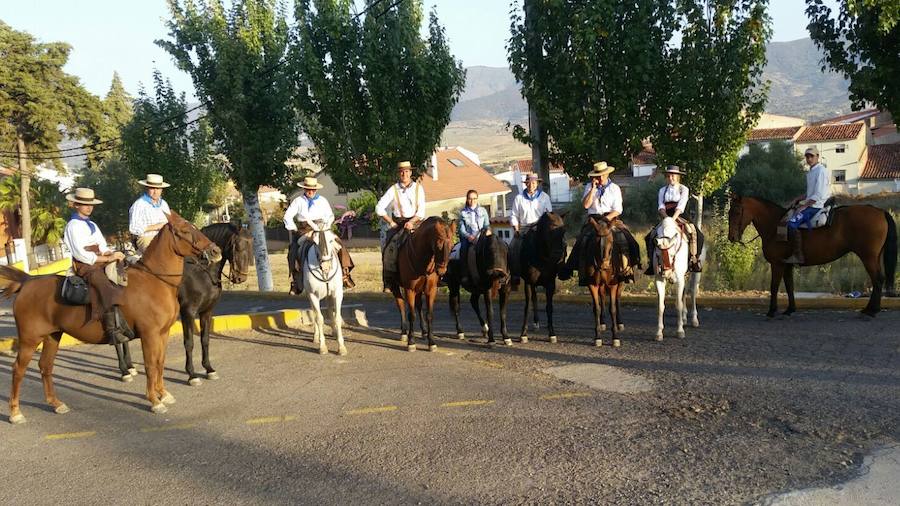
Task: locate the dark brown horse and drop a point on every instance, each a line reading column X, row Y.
column 542, row 255
column 150, row 306
column 491, row 259
column 866, row 230
column 422, row 259
column 603, row 281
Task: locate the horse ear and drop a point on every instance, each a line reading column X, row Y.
column 562, row 214
column 174, row 217
column 453, row 227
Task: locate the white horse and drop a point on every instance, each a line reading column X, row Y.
column 322, row 278
column 672, row 252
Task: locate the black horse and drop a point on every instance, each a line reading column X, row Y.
column 541, row 257
column 199, row 292
column 491, row 254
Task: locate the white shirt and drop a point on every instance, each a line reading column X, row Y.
column 143, row 214
column 404, row 202
column 610, row 200
column 527, row 211
column 78, row 236
column 677, row 193
column 817, row 185
column 303, row 210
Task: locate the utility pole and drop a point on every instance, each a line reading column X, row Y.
column 535, row 53
column 24, row 191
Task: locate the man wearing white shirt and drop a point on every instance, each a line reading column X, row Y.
column 401, row 207
column 818, row 190
column 91, row 257
column 527, row 209
column 149, row 213
column 314, row 214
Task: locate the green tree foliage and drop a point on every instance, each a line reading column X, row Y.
column 114, row 113
column 372, row 93
column 593, row 71
column 774, row 173
column 640, row 202
column 161, row 140
column 863, row 44
column 234, row 57
column 714, row 88
column 114, row 184
column 49, row 212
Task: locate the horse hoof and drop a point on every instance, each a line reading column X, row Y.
column 342, row 351
column 523, row 339
column 212, row 375
column 168, row 399
column 132, row 371
column 432, row 347
column 603, row 327
column 127, row 378
column 323, row 351
column 507, row 341
column 659, row 337
column 404, row 339
column 598, row 343
column 695, row 323
column 411, row 348
column 620, row 327
column 460, row 335
column 553, row 339
column 680, row 334
column 195, row 382
column 616, row 343
column 61, row 409
column 159, row 408
column 17, row 419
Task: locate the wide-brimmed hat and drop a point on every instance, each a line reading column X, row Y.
column 404, row 165
column 674, row 169
column 83, row 196
column 154, row 181
column 532, row 176
column 601, row 168
column 310, row 183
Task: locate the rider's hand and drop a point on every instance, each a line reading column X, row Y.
column 471, row 238
column 118, row 255
column 409, row 225
column 393, row 224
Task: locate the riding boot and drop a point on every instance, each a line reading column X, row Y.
column 115, row 328
column 693, row 259
column 648, row 242
column 348, row 281
column 796, row 245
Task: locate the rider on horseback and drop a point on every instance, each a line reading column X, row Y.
column 527, row 209
column 818, row 190
column 91, row 259
column 602, row 199
column 473, row 221
column 672, row 200
column 407, row 202
column 314, row 214
column 149, row 213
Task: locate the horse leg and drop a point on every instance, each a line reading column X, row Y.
column 318, row 324
column 598, row 314
column 187, row 330
column 205, row 325
column 337, row 324
column 473, row 300
column 789, row 288
column 123, row 362
column 401, row 306
column 504, row 300
column 410, row 297
column 777, row 273
column 548, row 293
column 873, row 267
column 489, row 315
column 694, row 289
column 660, row 305
column 524, row 335
column 48, row 355
column 534, row 306
column 620, row 325
column 679, row 305
column 614, row 312
column 420, row 299
column 429, row 315
column 454, row 308
column 27, row 345
column 153, row 346
column 126, row 347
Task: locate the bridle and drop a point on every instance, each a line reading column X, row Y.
column 234, row 272
column 745, row 244
column 141, row 265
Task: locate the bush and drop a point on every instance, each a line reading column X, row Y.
column 774, row 173
column 364, row 207
column 640, row 202
column 734, row 263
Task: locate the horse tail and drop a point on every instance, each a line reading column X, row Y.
column 890, row 254
column 11, row 280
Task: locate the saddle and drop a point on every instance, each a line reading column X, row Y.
column 824, row 218
column 74, row 291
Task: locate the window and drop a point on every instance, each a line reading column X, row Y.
column 839, row 176
column 342, row 191
column 457, row 162
column 841, row 148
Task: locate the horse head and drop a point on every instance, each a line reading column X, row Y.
column 190, row 241
column 442, row 243
column 492, row 253
column 738, row 220
column 603, row 232
column 551, row 238
column 240, row 256
column 667, row 233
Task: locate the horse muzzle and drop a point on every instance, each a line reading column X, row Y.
column 212, row 254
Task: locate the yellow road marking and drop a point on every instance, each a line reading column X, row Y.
column 270, row 419
column 69, row 435
column 367, row 411
column 495, row 365
column 180, row 426
column 459, row 404
column 565, row 395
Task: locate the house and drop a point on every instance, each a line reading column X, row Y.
column 767, row 121
column 880, row 124
column 500, row 225
column 453, row 171
column 764, row 136
column 561, row 185
column 842, row 148
column 881, row 171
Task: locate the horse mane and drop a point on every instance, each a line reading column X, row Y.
column 766, row 202
column 221, row 233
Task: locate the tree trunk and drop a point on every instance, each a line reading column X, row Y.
column 24, row 191
column 539, row 147
column 699, row 220
column 260, row 249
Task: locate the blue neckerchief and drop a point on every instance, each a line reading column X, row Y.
column 536, row 194
column 309, row 202
column 467, row 209
column 90, row 224
column 148, row 200
column 602, row 188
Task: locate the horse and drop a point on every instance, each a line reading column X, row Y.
column 422, row 259
column 198, row 294
column 670, row 262
column 542, row 256
column 866, row 230
column 603, row 280
column 322, row 279
column 491, row 259
column 149, row 304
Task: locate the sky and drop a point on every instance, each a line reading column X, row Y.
column 118, row 35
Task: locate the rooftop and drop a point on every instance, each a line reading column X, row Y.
column 883, row 162
column 831, row 132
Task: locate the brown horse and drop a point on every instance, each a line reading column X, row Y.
column 423, row 259
column 542, row 255
column 603, row 282
column 150, row 306
column 866, row 230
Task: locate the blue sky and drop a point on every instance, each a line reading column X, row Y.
column 118, row 35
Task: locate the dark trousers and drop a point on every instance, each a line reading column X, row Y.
column 103, row 293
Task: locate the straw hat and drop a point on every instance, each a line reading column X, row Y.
column 532, row 177
column 154, row 181
column 310, row 183
column 601, row 168
column 674, row 169
column 83, row 196
column 404, row 165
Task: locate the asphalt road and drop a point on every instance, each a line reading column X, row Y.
column 740, row 409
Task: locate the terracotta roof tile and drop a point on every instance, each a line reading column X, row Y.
column 883, row 162
column 773, row 134
column 848, row 118
column 525, row 166
column 454, row 181
column 830, row 132
column 647, row 156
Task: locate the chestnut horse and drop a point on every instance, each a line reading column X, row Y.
column 603, row 282
column 866, row 230
column 149, row 303
column 422, row 259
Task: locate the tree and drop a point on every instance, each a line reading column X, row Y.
column 592, row 71
column 863, row 44
column 114, row 184
column 36, row 98
column 714, row 90
column 374, row 93
column 48, row 212
column 774, row 173
column 161, row 139
column 234, row 57
column 114, row 113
